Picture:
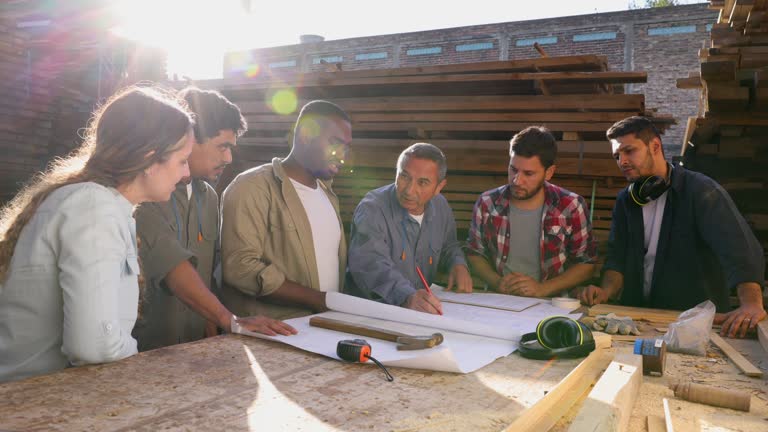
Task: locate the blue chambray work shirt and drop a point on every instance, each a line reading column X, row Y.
column 71, row 293
column 386, row 245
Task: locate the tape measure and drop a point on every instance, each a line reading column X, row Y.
column 654, row 355
column 359, row 351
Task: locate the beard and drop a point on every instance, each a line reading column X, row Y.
column 525, row 195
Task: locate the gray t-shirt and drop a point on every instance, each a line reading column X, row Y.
column 525, row 244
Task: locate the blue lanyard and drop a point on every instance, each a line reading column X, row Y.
column 178, row 216
column 405, row 237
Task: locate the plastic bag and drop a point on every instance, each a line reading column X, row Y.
column 690, row 333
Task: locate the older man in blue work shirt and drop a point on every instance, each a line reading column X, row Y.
column 406, row 226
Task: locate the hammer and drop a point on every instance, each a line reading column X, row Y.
column 404, row 342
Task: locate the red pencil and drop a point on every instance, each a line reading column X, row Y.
column 424, row 281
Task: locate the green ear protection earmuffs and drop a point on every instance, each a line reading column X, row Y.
column 558, row 337
column 646, row 189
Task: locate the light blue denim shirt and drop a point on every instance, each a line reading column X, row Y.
column 386, row 245
column 71, row 294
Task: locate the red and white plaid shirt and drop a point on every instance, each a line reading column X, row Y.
column 566, row 237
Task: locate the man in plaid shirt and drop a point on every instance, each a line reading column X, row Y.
column 530, row 237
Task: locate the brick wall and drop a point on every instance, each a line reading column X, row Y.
column 663, row 42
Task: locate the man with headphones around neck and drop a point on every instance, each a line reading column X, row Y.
column 677, row 238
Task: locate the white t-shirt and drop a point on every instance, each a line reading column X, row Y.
column 653, row 213
column 417, row 218
column 326, row 233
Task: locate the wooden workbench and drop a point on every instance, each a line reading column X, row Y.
column 240, row 383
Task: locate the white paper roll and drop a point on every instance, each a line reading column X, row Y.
column 565, row 303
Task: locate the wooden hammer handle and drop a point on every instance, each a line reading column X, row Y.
column 353, row 328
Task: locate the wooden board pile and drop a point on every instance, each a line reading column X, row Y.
column 729, row 139
column 25, row 114
column 470, row 111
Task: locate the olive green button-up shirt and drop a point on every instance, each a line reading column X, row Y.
column 266, row 238
column 183, row 228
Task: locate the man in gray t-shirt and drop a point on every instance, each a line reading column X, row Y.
column 530, row 237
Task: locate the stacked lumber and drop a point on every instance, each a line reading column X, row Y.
column 25, row 116
column 729, row 139
column 52, row 74
column 470, row 111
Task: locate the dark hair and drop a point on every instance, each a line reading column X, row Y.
column 425, row 151
column 213, row 112
column 320, row 108
column 643, row 129
column 535, row 141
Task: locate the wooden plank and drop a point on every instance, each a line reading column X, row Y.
column 523, row 103
column 667, row 416
column 689, row 83
column 501, row 147
column 656, row 423
column 463, row 117
column 653, row 315
column 609, row 404
column 718, row 71
column 239, row 383
column 358, row 127
column 739, row 360
column 332, row 80
column 560, row 63
column 547, row 411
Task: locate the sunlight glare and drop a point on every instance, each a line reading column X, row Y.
column 195, row 35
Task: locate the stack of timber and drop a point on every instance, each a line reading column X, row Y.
column 51, row 78
column 25, row 115
column 470, row 111
column 729, row 139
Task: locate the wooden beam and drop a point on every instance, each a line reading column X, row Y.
column 656, row 424
column 718, row 71
column 739, row 360
column 654, row 315
column 693, row 82
column 335, row 80
column 526, row 103
column 564, row 63
column 548, row 410
column 609, row 404
column 667, row 416
column 599, row 116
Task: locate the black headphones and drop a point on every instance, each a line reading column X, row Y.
column 559, row 337
column 646, row 189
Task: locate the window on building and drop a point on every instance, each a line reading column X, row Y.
column 282, row 64
column 663, row 31
column 424, row 51
column 474, row 46
column 371, row 56
column 327, row 59
column 540, row 40
column 589, row 37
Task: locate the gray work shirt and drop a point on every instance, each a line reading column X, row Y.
column 386, row 245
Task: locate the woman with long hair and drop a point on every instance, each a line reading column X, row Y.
column 69, row 290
